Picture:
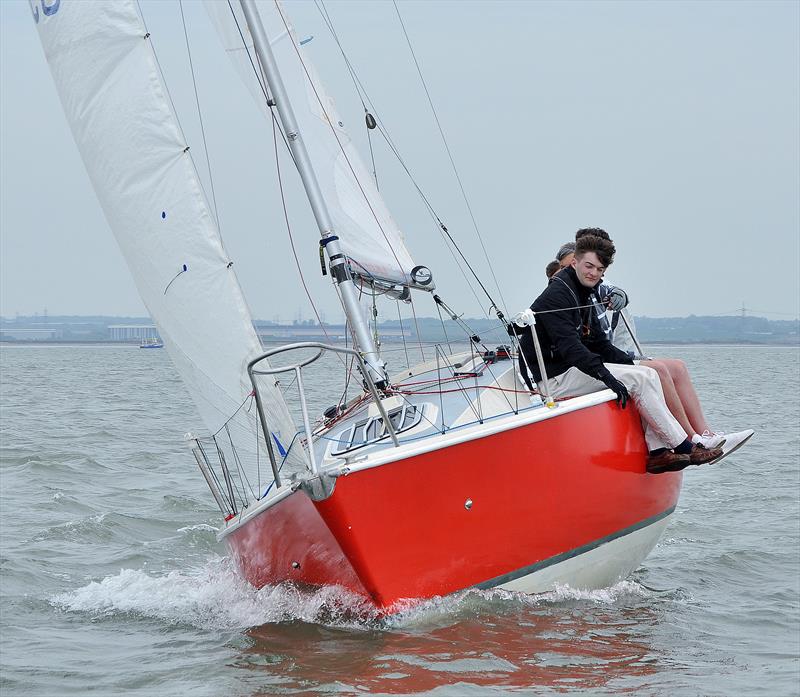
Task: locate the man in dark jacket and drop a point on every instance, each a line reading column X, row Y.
column 579, row 358
column 679, row 392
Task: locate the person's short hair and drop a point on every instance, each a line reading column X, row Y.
column 604, row 248
column 552, row 268
column 596, row 231
column 565, row 249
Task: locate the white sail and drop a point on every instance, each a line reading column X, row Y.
column 367, row 232
column 136, row 156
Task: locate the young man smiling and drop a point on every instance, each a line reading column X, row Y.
column 580, row 359
column 679, row 392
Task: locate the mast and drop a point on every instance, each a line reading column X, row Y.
column 340, row 272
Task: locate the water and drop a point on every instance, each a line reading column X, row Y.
column 113, row 583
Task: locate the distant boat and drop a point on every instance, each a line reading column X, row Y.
column 151, row 342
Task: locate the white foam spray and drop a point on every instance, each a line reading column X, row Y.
column 215, row 597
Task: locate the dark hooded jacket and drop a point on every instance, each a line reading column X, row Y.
column 568, row 337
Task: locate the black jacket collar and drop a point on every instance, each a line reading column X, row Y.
column 568, row 276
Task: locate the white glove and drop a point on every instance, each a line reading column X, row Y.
column 524, row 318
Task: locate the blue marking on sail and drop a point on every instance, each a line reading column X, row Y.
column 50, row 9
column 281, row 449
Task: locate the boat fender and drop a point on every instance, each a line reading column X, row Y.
column 320, row 487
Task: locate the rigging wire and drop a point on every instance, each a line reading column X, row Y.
column 403, row 335
column 276, row 127
column 174, row 111
column 291, row 239
column 320, row 4
column 223, row 491
column 363, row 95
column 444, row 329
column 375, row 336
column 321, row 104
column 200, row 116
column 416, row 325
column 347, row 335
column 262, row 81
column 239, row 465
column 452, row 161
column 473, row 336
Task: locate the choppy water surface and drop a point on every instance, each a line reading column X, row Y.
column 113, row 583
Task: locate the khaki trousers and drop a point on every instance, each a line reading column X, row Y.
column 661, row 430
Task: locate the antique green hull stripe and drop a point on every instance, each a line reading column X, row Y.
column 539, row 565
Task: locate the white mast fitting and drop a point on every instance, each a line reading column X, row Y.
column 336, row 259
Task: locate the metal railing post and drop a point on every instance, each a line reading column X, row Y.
column 306, row 423
column 384, row 415
column 549, row 402
column 204, row 468
column 368, row 381
column 260, row 408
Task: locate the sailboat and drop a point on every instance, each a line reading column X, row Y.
column 452, row 475
column 151, row 342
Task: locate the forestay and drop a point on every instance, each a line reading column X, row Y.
column 368, row 233
column 138, row 161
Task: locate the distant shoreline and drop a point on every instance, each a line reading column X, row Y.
column 132, row 344
column 653, row 331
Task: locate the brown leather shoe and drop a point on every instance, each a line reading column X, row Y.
column 700, row 454
column 667, row 461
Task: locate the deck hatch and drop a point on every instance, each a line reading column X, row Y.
column 372, row 429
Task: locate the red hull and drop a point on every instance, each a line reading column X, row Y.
column 401, row 530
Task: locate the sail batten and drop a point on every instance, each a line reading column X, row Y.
column 137, row 159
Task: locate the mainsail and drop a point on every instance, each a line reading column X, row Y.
column 368, row 233
column 138, row 160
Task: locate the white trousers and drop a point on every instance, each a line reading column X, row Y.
column 661, row 430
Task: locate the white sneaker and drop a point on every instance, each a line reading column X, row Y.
column 709, row 440
column 734, row 441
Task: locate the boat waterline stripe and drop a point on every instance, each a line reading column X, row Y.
column 564, row 556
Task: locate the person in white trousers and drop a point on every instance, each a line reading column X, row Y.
column 580, row 359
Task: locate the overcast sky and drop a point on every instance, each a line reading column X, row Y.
column 673, row 125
